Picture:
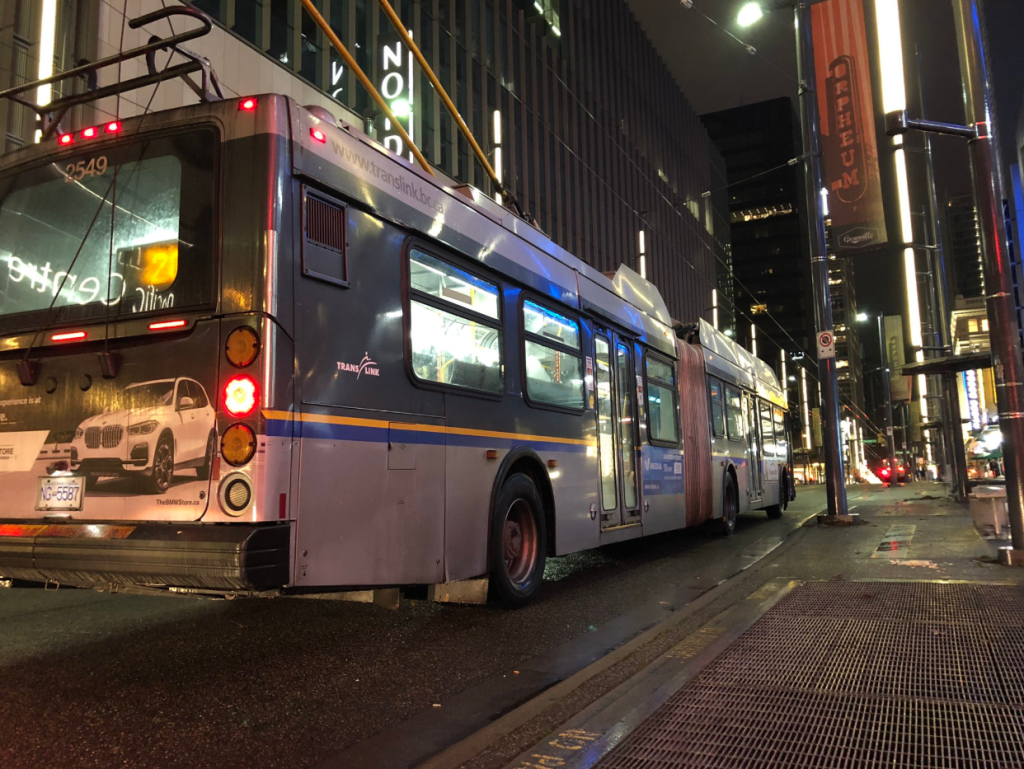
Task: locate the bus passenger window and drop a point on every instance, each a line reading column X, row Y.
column 454, row 327
column 662, row 401
column 554, row 363
column 781, row 444
column 717, row 408
column 767, row 432
column 734, row 414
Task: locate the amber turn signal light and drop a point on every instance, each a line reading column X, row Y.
column 238, row 444
column 242, row 347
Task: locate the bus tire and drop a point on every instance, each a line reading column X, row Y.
column 204, row 470
column 775, row 511
column 730, row 508
column 518, row 546
column 162, row 474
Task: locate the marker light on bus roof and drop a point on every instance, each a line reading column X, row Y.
column 89, row 133
column 68, row 336
column 164, row 325
column 248, row 105
column 112, row 127
column 319, row 135
column 240, row 395
column 65, row 139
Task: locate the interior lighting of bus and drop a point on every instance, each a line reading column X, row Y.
column 240, row 396
column 112, row 127
column 90, row 133
column 69, row 336
column 319, row 135
column 248, row 105
column 165, row 325
column 65, row 139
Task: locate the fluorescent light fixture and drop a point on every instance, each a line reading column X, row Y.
column 890, row 47
column 497, row 126
column 749, row 14
column 47, row 43
column 643, row 266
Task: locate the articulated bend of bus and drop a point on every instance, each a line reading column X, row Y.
column 144, row 330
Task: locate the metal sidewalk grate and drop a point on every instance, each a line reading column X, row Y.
column 846, row 674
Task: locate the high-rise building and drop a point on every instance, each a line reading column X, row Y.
column 569, row 99
column 963, row 243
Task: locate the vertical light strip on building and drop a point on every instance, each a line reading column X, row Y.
column 496, row 135
column 714, row 308
column 807, row 409
column 753, row 340
column 982, row 415
column 47, row 44
column 894, row 98
column 643, row 255
column 782, row 369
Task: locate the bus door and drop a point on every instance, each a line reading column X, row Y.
column 754, row 479
column 615, row 384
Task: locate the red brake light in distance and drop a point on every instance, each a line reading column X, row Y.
column 65, row 139
column 319, row 135
column 165, row 325
column 68, row 336
column 112, row 127
column 240, row 395
column 89, row 133
column 248, row 105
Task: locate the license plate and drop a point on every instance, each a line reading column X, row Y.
column 60, row 493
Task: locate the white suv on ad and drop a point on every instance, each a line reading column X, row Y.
column 167, row 424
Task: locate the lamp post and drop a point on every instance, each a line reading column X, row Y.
column 886, row 389
column 810, row 130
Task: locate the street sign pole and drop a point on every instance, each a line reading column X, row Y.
column 810, row 130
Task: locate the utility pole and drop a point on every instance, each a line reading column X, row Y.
column 890, row 439
column 811, row 133
column 987, row 180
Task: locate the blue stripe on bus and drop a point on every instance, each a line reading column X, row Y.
column 282, row 428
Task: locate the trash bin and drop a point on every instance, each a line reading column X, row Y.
column 988, row 511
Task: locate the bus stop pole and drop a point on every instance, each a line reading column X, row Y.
column 987, row 181
column 835, row 487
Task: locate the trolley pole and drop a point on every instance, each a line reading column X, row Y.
column 835, row 487
column 987, row 180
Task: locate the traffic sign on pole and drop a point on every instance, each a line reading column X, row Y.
column 826, row 345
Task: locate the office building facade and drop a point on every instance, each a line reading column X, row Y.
column 572, row 104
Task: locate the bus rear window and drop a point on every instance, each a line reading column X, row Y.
column 72, row 239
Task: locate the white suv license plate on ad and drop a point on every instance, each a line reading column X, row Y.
column 60, row 493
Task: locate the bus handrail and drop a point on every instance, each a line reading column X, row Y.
column 52, row 113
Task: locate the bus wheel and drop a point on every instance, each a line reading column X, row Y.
column 163, row 467
column 203, row 471
column 518, row 542
column 775, row 511
column 730, row 508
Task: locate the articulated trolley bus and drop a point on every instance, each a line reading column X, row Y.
column 244, row 350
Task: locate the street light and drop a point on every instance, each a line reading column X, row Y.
column 810, row 130
column 749, row 14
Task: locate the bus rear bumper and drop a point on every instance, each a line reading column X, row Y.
column 228, row 557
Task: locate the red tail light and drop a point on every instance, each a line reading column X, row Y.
column 884, row 471
column 68, row 336
column 241, row 395
column 248, row 105
column 165, row 325
column 319, row 135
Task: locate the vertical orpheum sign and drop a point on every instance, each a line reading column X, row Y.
column 973, row 401
column 396, row 86
column 849, row 146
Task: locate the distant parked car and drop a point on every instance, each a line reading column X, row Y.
column 901, row 474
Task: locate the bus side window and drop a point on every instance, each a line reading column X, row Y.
column 324, row 253
column 734, row 414
column 717, row 408
column 781, row 439
column 662, row 401
column 554, row 358
column 767, row 432
column 455, row 327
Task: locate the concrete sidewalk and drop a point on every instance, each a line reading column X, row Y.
column 895, row 643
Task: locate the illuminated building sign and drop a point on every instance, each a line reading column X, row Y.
column 973, row 400
column 395, row 83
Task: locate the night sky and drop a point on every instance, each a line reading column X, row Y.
column 716, row 73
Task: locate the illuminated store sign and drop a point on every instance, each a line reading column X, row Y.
column 396, row 86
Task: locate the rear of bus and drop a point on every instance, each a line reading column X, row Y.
column 139, row 337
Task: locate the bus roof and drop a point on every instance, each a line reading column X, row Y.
column 726, row 359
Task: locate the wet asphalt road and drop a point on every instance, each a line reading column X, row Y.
column 95, row 680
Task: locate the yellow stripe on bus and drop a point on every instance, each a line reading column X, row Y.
column 416, row 427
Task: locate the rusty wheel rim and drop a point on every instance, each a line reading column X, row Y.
column 519, row 542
